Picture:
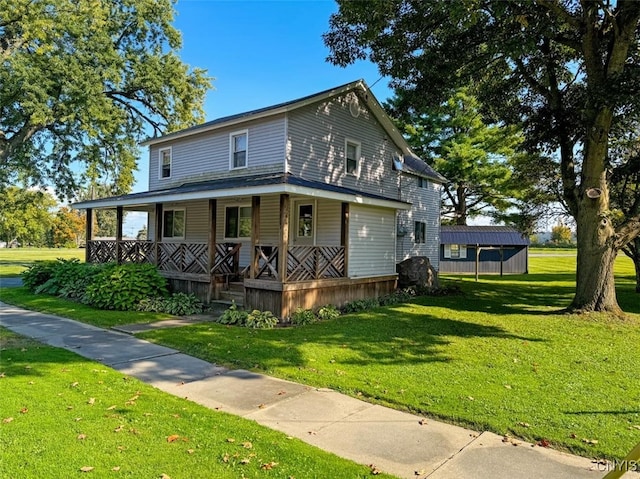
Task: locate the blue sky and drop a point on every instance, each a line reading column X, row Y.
column 260, row 53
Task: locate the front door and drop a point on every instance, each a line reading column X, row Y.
column 304, row 214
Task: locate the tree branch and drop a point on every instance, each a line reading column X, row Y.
column 556, row 8
column 627, row 232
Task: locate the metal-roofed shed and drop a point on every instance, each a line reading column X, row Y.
column 483, row 250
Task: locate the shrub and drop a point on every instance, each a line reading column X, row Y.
column 178, row 304
column 233, row 315
column 69, row 278
column 261, row 319
column 361, row 305
column 37, row 274
column 303, row 316
column 122, row 287
column 328, row 313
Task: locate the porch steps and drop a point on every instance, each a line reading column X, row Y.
column 233, row 295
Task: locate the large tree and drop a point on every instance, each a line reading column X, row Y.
column 25, row 215
column 83, row 81
column 473, row 155
column 567, row 70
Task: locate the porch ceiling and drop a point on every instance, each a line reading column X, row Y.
column 246, row 186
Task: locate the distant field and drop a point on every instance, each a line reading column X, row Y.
column 14, row 260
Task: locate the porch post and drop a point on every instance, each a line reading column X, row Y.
column 283, row 247
column 157, row 235
column 119, row 221
column 88, row 235
column 344, row 236
column 213, row 205
column 255, row 235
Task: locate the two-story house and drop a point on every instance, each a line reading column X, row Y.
column 307, row 203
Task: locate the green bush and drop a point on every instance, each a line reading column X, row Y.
column 122, row 287
column 37, row 274
column 68, row 278
column 261, row 319
column 233, row 315
column 303, row 316
column 361, row 305
column 328, row 313
column 178, row 304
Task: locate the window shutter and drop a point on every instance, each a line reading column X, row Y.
column 447, row 251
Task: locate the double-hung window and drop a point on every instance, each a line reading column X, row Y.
column 165, row 162
column 237, row 223
column 352, row 157
column 422, row 182
column 238, row 148
column 173, row 223
column 305, row 221
column 420, row 232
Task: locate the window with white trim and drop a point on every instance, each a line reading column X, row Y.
column 173, row 223
column 420, row 232
column 352, row 157
column 237, row 222
column 238, row 148
column 422, row 182
column 305, row 221
column 164, row 163
column 455, row 251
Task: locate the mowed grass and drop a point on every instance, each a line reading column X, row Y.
column 14, row 261
column 23, row 298
column 62, row 415
column 502, row 357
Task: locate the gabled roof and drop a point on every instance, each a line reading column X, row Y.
column 245, row 186
column 415, row 165
column 482, row 235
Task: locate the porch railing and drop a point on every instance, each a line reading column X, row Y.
column 303, row 262
column 189, row 258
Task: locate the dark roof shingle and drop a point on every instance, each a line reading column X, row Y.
column 482, row 235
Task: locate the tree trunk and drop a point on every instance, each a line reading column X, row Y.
column 461, row 207
column 595, row 285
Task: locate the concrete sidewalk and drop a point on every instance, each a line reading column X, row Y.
column 395, row 442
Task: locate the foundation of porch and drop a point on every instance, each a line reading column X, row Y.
column 282, row 299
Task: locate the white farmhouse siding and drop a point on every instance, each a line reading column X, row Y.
column 425, row 203
column 196, row 215
column 372, row 235
column 328, row 223
column 206, row 155
column 317, row 136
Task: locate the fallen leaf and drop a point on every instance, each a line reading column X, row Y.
column 69, row 408
column 176, row 415
column 173, row 437
column 78, row 419
column 31, row 383
column 421, row 472
column 543, row 443
column 75, row 384
column 246, row 460
column 116, row 468
column 282, row 393
column 190, row 451
column 81, row 437
column 91, row 401
column 422, row 422
column 524, row 424
column 247, row 445
column 2, row 375
column 24, row 410
column 470, row 398
column 573, row 435
column 164, row 476
column 111, row 408
column 313, row 433
column 590, row 441
column 7, row 420
column 230, row 439
column 28, row 367
column 86, row 469
column 268, row 466
column 636, row 426
column 119, row 428
column 225, row 458
column 507, row 386
column 374, row 470
column 262, row 406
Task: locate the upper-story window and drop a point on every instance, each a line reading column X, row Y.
column 352, row 157
column 165, row 162
column 239, row 141
column 173, row 223
column 422, row 182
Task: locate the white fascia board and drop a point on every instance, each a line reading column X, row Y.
column 249, row 191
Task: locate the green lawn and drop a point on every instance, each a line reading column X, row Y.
column 61, row 413
column 15, row 260
column 500, row 358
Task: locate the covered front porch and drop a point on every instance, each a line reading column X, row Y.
column 283, row 250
